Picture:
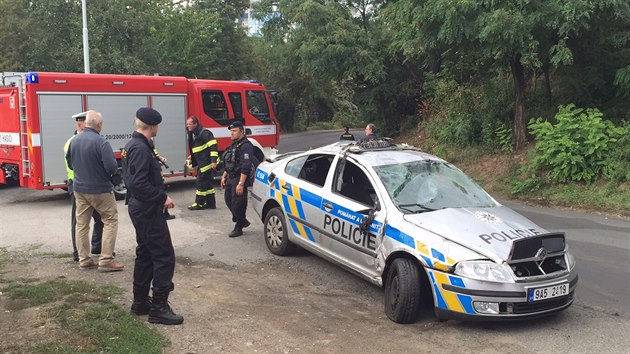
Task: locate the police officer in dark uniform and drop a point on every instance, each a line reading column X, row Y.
column 147, row 201
column 346, row 134
column 204, row 154
column 238, row 161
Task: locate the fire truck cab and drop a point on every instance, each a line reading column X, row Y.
column 36, row 110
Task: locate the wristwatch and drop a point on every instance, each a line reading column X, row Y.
column 240, row 183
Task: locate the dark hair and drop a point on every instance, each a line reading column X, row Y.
column 194, row 119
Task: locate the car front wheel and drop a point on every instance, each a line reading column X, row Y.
column 276, row 233
column 402, row 291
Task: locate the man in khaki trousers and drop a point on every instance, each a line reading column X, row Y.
column 92, row 159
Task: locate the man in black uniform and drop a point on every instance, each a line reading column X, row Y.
column 346, row 134
column 239, row 160
column 155, row 256
column 204, row 154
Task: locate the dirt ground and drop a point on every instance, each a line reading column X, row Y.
column 289, row 305
column 271, row 306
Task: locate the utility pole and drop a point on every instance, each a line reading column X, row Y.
column 86, row 47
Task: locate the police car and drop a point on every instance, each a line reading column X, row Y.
column 416, row 225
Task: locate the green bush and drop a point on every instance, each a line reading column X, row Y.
column 504, row 138
column 577, row 147
column 617, row 165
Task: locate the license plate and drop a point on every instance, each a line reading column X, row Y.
column 548, row 292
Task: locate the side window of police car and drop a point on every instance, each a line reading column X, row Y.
column 311, row 168
column 354, row 184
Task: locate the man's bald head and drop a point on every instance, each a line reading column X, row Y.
column 94, row 120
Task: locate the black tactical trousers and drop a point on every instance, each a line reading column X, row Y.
column 236, row 203
column 155, row 256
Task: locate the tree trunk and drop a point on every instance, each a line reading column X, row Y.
column 520, row 122
column 545, row 68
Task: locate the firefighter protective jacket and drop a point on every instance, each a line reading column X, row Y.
column 203, row 148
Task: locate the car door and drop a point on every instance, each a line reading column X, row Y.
column 350, row 199
column 300, row 191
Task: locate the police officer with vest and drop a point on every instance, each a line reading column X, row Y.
column 204, row 154
column 147, row 201
column 238, row 163
column 346, row 134
column 97, row 233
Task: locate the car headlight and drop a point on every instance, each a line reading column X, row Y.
column 484, row 270
column 570, row 261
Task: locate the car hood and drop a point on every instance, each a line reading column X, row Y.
column 487, row 231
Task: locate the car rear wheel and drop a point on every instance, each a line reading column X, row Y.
column 276, row 236
column 402, row 291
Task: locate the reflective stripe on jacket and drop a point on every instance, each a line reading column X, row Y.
column 203, row 148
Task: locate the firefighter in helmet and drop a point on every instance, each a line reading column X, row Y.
column 203, row 154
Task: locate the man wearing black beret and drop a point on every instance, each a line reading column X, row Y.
column 147, row 202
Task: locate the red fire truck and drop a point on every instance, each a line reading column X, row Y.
column 36, row 110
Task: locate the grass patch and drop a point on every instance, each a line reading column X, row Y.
column 84, row 318
column 599, row 196
column 56, row 255
column 53, row 290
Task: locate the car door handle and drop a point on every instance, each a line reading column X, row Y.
column 328, row 205
column 285, row 187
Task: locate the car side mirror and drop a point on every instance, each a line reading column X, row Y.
column 364, row 226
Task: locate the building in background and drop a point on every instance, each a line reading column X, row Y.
column 252, row 24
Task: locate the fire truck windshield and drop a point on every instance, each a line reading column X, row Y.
column 257, row 105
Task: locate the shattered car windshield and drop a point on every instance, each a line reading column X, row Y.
column 424, row 185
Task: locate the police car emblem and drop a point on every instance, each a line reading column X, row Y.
column 540, row 256
column 487, row 217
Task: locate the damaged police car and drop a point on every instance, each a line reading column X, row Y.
column 418, row 226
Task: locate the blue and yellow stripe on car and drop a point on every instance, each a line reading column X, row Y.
column 301, row 229
column 432, row 257
column 449, row 300
column 290, row 197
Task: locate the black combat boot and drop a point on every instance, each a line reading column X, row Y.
column 141, row 302
column 238, row 231
column 161, row 312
